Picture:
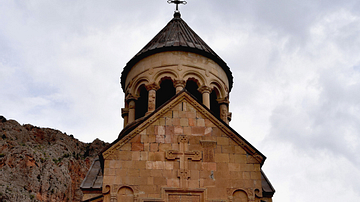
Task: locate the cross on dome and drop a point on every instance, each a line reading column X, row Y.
column 177, row 2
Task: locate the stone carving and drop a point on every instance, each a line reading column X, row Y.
column 208, row 153
column 184, row 156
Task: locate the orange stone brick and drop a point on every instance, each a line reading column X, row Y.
column 234, row 167
column 145, row 138
column 200, row 122
column 150, row 130
column 144, row 156
column 184, row 122
column 125, row 155
column 222, row 140
column 160, row 181
column 255, row 175
column 209, row 123
column 135, row 146
column 156, row 156
column 137, row 138
column 208, row 183
column 164, row 147
column 187, row 130
column 197, row 131
column 192, row 122
column 160, row 138
column 150, row 180
column 145, row 173
column 133, row 173
column 154, row 147
column 162, row 121
column 156, row 173
column 126, row 147
column 168, row 121
column 178, row 130
column 246, row 175
column 182, row 114
column 136, row 156
column 194, row 184
column 140, row 164
column 228, row 149
column 176, row 121
column 221, row 157
column 152, row 138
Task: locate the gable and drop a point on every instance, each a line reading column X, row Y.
column 183, row 115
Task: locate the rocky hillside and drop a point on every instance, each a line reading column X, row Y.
column 42, row 164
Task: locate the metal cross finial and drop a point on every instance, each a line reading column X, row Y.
column 177, row 2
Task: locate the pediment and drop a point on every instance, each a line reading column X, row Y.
column 163, row 113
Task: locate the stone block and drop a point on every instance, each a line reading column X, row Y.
column 229, row 149
column 208, row 131
column 176, row 121
column 120, row 172
column 193, row 184
column 175, row 113
column 150, row 180
column 145, row 138
column 255, row 175
column 184, row 122
column 216, row 132
column 160, row 130
column 246, row 167
column 156, row 156
column 178, row 130
column 236, row 175
column 200, row 122
column 246, row 176
column 160, row 181
column 221, row 157
column 160, row 138
column 173, row 182
column 194, row 174
column 154, row 147
column 187, row 130
column 126, row 147
column 197, row 131
column 144, row 156
column 182, row 114
column 137, row 138
column 125, row 155
column 137, row 146
column 162, row 122
column 234, row 167
column 192, row 122
column 150, row 130
column 209, row 123
column 168, row 121
column 136, row 156
column 156, row 173
column 152, row 138
column 208, row 166
column 139, row 164
column 164, row 147
column 222, row 140
column 133, row 173
column 145, row 173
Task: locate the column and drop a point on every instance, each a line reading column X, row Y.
column 151, row 88
column 224, row 111
column 125, row 115
column 205, row 91
column 130, row 99
column 179, row 85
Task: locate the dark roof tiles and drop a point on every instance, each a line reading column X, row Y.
column 176, row 36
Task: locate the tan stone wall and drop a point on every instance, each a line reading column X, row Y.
column 142, row 165
column 177, row 65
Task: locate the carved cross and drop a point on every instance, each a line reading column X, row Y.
column 184, row 155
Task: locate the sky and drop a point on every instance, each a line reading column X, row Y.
column 296, row 68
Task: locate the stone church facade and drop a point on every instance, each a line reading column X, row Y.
column 177, row 144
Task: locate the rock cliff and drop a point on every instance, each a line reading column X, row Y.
column 42, row 164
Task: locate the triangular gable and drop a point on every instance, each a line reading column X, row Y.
column 140, row 125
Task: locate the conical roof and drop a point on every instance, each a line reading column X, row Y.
column 176, row 36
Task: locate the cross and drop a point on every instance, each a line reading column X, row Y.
column 177, row 2
column 183, row 155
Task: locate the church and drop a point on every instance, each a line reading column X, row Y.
column 176, row 144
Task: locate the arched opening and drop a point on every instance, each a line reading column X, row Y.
column 141, row 104
column 165, row 92
column 191, row 87
column 240, row 196
column 125, row 194
column 214, row 104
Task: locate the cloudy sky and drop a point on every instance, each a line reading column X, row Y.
column 296, row 67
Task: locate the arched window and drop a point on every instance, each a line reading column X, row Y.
column 141, row 104
column 165, row 92
column 240, row 196
column 125, row 194
column 192, row 88
column 214, row 104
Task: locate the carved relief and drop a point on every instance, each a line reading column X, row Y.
column 208, row 153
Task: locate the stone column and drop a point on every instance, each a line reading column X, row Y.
column 125, row 115
column 152, row 88
column 130, row 99
column 224, row 110
column 205, row 91
column 179, row 85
